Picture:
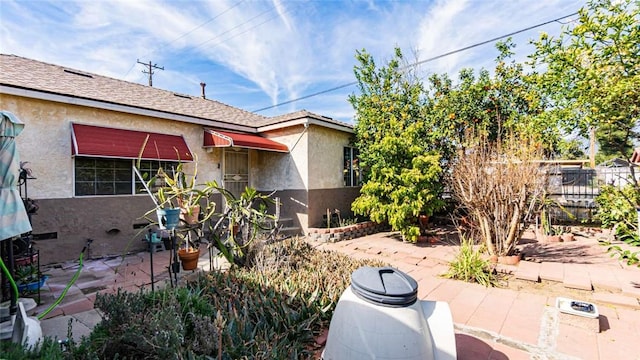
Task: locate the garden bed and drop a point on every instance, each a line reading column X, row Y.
column 278, row 309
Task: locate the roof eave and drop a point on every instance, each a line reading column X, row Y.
column 306, row 121
column 74, row 100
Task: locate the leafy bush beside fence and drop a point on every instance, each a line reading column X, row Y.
column 616, row 210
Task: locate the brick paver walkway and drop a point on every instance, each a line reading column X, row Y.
column 523, row 322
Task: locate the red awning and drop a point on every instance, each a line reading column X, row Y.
column 98, row 141
column 217, row 138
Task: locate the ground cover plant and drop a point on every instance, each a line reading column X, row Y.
column 272, row 310
column 470, row 266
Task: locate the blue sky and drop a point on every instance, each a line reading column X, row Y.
column 255, row 54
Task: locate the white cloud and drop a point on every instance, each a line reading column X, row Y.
column 262, row 51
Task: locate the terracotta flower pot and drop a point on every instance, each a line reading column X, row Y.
column 190, row 218
column 509, row 259
column 189, row 259
column 554, row 238
column 568, row 237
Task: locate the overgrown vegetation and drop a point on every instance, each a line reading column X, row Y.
column 238, row 232
column 270, row 311
column 591, row 74
column 616, row 211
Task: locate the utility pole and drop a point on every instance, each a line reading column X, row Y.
column 150, row 71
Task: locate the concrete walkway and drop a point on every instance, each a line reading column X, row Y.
column 519, row 321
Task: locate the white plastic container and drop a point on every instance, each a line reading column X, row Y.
column 379, row 317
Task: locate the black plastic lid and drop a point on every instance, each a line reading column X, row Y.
column 386, row 286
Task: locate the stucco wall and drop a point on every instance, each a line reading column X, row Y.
column 306, row 208
column 280, row 171
column 46, row 144
column 108, row 220
column 326, row 155
column 46, row 141
column 323, row 199
column 294, row 207
column 313, row 165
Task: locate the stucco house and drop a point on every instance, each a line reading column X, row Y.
column 84, row 131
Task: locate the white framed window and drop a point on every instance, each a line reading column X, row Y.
column 104, row 176
column 352, row 173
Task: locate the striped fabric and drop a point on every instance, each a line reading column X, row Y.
column 13, row 216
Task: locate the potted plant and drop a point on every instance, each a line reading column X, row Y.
column 175, row 189
column 566, row 235
column 176, row 193
column 553, row 234
column 28, row 278
column 189, row 256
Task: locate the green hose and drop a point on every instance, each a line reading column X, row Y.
column 13, row 283
column 64, row 292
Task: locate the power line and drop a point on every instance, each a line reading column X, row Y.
column 185, row 34
column 424, row 61
column 240, row 25
column 247, row 30
column 199, row 26
column 237, row 26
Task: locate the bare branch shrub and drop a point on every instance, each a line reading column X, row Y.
column 496, row 183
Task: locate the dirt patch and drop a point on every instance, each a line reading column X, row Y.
column 550, row 289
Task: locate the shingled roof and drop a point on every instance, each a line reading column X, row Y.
column 23, row 73
column 304, row 114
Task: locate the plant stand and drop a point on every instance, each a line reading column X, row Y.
column 174, row 263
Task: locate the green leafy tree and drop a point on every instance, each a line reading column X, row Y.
column 393, row 135
column 591, row 74
column 494, row 107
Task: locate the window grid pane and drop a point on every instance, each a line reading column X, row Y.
column 347, row 166
column 149, row 168
column 352, row 173
column 95, row 176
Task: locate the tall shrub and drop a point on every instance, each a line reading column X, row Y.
column 394, row 137
column 495, row 183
